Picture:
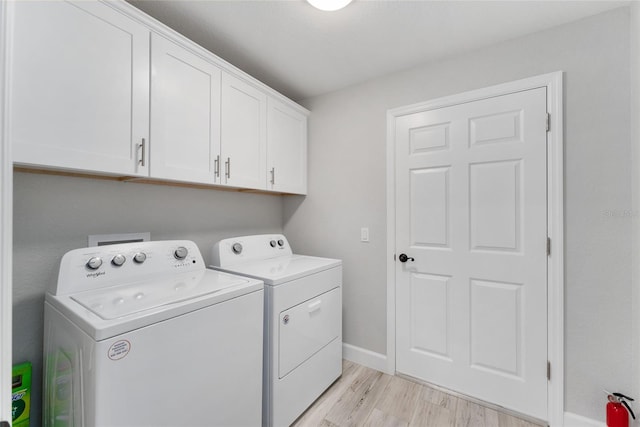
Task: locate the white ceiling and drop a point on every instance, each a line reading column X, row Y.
column 303, row 52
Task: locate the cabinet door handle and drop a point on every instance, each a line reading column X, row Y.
column 216, row 163
column 142, row 152
column 273, row 176
column 227, row 167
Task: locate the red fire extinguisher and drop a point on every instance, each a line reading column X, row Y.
column 617, row 407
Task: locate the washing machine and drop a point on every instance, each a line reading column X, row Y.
column 142, row 334
column 303, row 320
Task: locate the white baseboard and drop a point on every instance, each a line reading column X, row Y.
column 365, row 357
column 574, row 420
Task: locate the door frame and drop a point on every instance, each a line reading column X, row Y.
column 553, row 82
column 6, row 224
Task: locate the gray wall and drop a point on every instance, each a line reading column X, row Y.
column 635, row 145
column 347, row 137
column 54, row 214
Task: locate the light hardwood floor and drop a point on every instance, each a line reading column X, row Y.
column 365, row 397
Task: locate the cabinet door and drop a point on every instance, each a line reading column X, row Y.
column 185, row 114
column 79, row 87
column 243, row 134
column 286, row 149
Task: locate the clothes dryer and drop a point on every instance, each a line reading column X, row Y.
column 303, row 320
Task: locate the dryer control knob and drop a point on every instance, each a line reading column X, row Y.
column 273, row 243
column 237, row 248
column 140, row 257
column 280, row 242
column 94, row 263
column 181, row 252
column 118, row 260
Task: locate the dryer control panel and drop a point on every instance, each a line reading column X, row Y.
column 236, row 250
column 101, row 266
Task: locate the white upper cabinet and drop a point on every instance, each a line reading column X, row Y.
column 286, row 148
column 243, row 152
column 99, row 87
column 185, row 114
column 79, row 88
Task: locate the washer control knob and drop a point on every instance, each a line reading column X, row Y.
column 281, row 243
column 273, row 243
column 118, row 260
column 140, row 257
column 237, row 248
column 181, row 252
column 94, row 263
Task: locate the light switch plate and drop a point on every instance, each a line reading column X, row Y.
column 364, row 234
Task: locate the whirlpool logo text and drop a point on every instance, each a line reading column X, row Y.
column 96, row 274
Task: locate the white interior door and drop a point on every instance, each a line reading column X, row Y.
column 471, row 209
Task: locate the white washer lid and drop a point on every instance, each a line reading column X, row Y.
column 274, row 271
column 123, row 300
column 204, row 288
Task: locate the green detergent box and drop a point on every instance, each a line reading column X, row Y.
column 21, row 394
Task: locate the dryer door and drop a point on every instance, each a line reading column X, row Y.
column 308, row 327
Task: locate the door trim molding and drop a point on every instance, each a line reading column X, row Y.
column 6, row 224
column 553, row 82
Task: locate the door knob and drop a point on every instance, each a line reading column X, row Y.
column 405, row 258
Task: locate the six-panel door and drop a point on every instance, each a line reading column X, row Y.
column 472, row 210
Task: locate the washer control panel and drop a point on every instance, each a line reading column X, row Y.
column 100, row 266
column 248, row 248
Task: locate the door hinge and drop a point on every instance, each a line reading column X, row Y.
column 548, row 370
column 548, row 246
column 548, row 122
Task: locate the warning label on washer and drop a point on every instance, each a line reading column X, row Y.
column 119, row 349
